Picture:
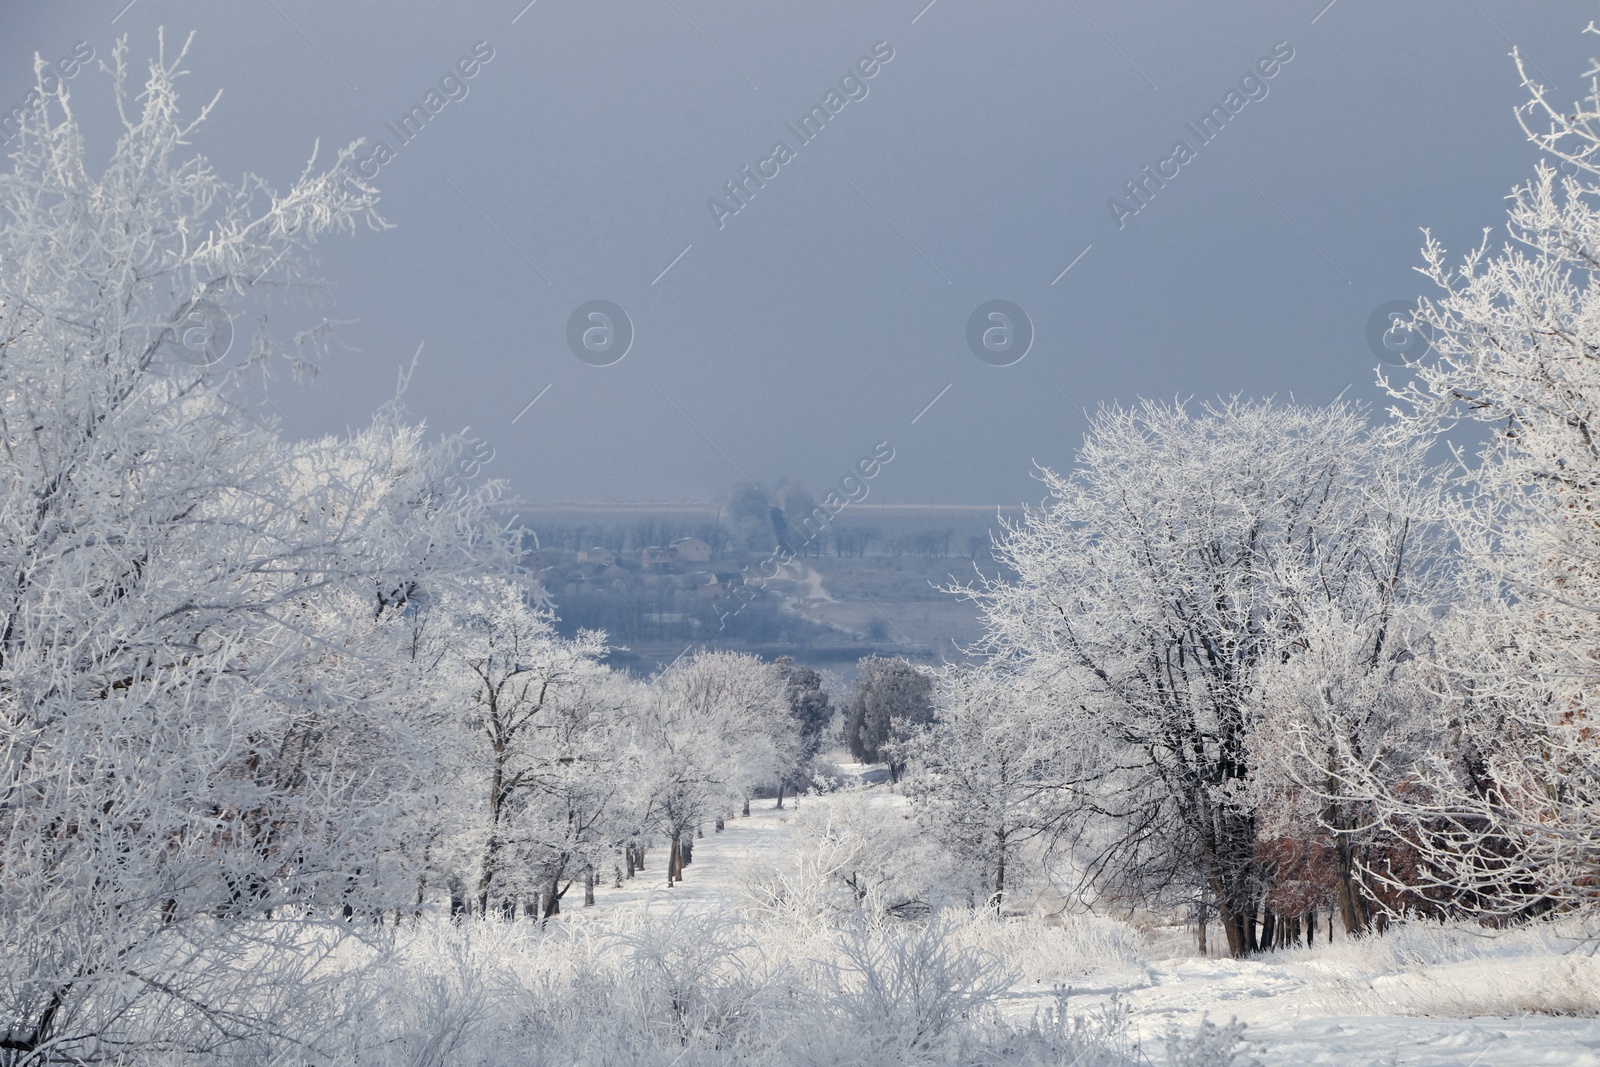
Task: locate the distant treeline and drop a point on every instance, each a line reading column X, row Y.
column 843, row 539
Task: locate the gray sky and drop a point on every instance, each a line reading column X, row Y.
column 829, row 311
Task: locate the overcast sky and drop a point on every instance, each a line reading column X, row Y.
column 978, row 163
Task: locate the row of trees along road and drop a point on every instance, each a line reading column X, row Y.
column 253, row 688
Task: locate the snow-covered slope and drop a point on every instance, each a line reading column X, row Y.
column 1424, row 996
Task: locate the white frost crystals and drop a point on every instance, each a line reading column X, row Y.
column 201, row 675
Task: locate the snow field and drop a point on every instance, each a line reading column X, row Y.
column 1423, row 994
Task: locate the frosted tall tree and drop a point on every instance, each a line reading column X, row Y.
column 1509, row 817
column 1149, row 592
column 812, row 710
column 194, row 615
column 984, row 776
column 533, row 745
column 889, row 699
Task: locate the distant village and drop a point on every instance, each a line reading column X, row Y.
column 660, row 592
column 658, row 581
column 684, row 565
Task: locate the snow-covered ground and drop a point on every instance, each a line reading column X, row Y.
column 1426, row 996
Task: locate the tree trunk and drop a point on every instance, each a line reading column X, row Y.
column 747, row 807
column 675, row 859
column 588, row 888
column 491, row 848
column 1235, row 909
column 1352, row 908
column 1000, row 870
column 458, row 898
column 780, row 795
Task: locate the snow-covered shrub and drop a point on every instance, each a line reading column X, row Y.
column 681, row 990
column 1459, row 970
column 1209, row 1046
column 692, row 978
column 1049, row 953
column 860, row 851
column 905, row 987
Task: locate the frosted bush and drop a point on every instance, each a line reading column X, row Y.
column 1081, row 944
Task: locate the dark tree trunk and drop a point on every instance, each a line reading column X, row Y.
column 1000, row 870
column 675, row 859
column 1352, row 907
column 1227, row 841
column 780, row 795
column 1353, row 910
column 486, row 874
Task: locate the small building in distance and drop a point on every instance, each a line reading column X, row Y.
column 597, row 555
column 692, row 550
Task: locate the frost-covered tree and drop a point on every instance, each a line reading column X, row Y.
column 984, row 776
column 533, row 745
column 201, row 658
column 812, row 710
column 1507, row 815
column 889, row 698
column 1149, row 592
column 1353, row 704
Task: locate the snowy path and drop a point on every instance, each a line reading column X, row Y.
column 1310, row 1010
column 718, row 857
